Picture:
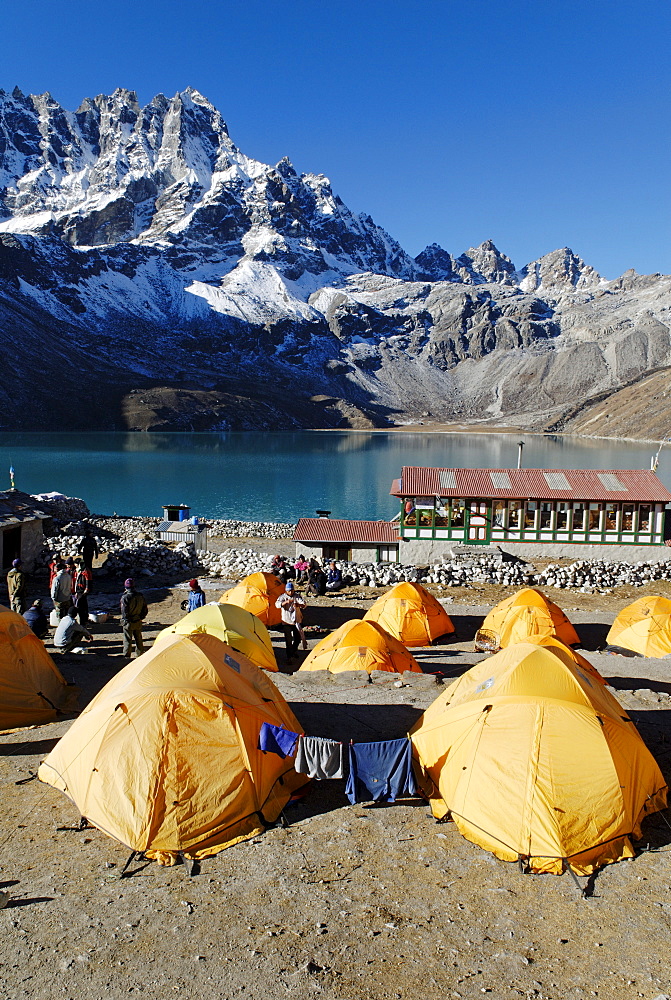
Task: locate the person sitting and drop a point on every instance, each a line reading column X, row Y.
column 196, row 596
column 333, row 577
column 301, row 566
column 316, row 579
column 70, row 633
column 279, row 568
column 37, row 619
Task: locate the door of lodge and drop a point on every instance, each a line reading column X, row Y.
column 478, row 522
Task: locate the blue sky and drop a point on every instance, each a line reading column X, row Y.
column 537, row 124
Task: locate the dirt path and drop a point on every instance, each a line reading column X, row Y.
column 349, row 902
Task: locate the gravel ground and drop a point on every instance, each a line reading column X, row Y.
column 348, row 902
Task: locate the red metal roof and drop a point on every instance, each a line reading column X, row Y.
column 326, row 529
column 634, row 486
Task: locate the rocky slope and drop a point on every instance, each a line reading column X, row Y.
column 152, row 269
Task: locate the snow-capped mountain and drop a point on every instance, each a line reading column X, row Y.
column 143, row 255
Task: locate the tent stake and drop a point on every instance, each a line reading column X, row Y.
column 573, row 875
column 130, row 860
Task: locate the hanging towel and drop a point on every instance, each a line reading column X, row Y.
column 275, row 739
column 380, row 771
column 320, row 758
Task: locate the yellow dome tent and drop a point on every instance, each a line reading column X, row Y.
column 32, row 688
column 360, row 645
column 257, row 593
column 165, row 759
column 239, row 628
column 411, row 614
column 526, row 613
column 643, row 627
column 534, row 760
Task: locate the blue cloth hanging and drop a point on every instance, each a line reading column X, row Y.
column 275, row 739
column 380, row 772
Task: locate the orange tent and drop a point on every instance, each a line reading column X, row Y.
column 643, row 627
column 360, row 645
column 32, row 688
column 536, row 762
column 525, row 614
column 411, row 614
column 257, row 593
column 165, row 758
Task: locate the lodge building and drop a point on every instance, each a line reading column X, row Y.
column 594, row 513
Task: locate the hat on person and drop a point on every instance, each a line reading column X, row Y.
column 289, row 586
column 16, row 562
column 130, row 582
column 193, row 584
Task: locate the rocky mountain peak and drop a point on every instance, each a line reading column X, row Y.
column 486, row 263
column 557, row 272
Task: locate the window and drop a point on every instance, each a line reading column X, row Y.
column 594, row 517
column 387, row 553
column 562, row 516
column 610, row 517
column 628, row 517
column 644, row 517
column 458, row 507
column 578, row 517
column 499, row 514
column 530, row 515
column 514, row 513
column 409, row 512
column 546, row 515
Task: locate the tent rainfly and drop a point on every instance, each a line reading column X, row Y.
column 643, row 628
column 32, row 688
column 537, row 762
column 165, row 758
column 239, row 628
column 360, row 645
column 526, row 613
column 411, row 614
column 257, row 593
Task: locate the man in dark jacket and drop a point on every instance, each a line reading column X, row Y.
column 16, row 587
column 89, row 549
column 133, row 612
column 37, row 619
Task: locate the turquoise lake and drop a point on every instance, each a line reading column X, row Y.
column 278, row 476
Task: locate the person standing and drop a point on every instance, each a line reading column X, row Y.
column 89, row 549
column 37, row 619
column 82, row 589
column 16, row 587
column 133, row 612
column 196, row 596
column 291, row 605
column 61, row 591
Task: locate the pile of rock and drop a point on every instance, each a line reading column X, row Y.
column 599, row 574
column 249, row 529
column 234, row 564
column 62, row 508
column 153, row 559
column 459, row 572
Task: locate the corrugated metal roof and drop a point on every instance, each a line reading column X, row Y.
column 16, row 507
column 326, row 529
column 637, row 486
